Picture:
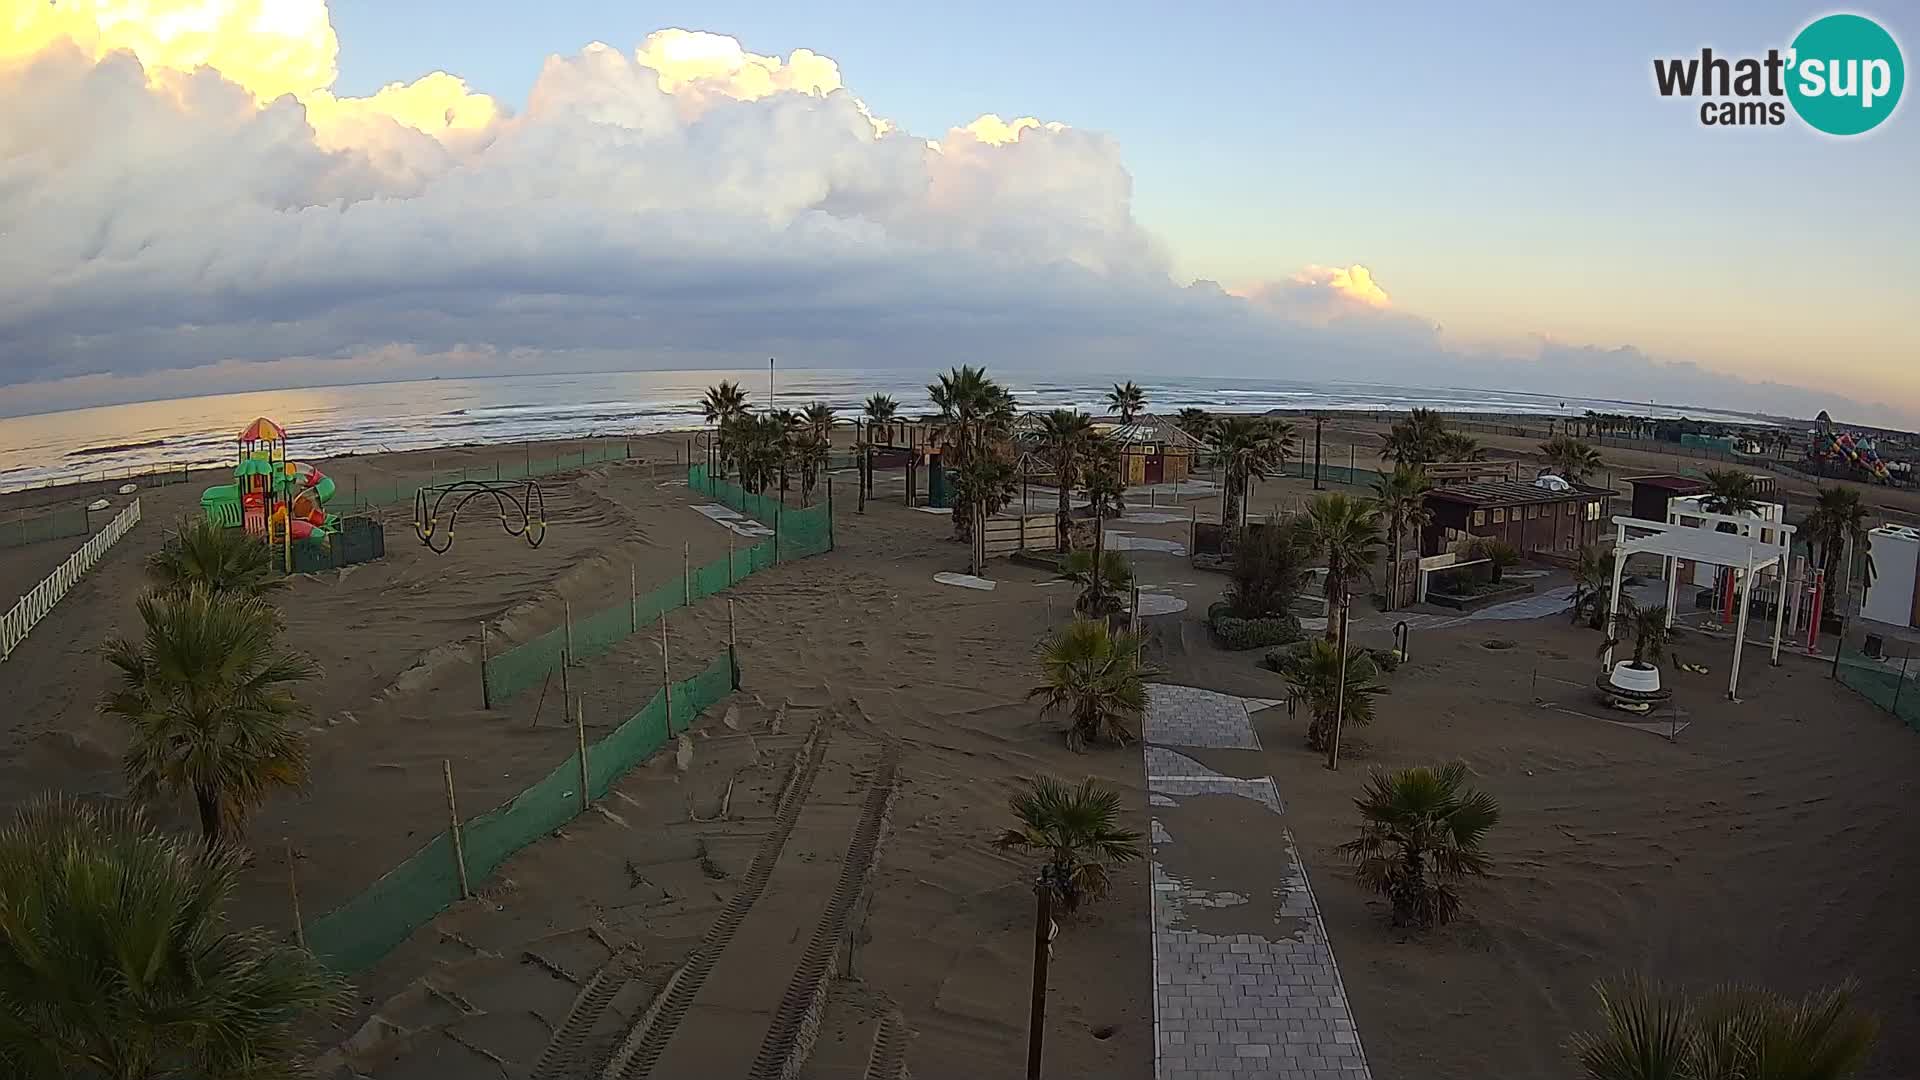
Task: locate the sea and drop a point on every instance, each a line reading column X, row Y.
column 325, row 421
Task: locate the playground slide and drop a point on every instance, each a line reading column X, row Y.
column 312, row 490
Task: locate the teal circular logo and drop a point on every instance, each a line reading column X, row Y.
column 1845, row 74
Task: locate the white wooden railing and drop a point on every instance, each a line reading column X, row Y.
column 35, row 605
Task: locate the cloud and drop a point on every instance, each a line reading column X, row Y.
column 186, row 202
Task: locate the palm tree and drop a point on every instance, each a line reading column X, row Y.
column 790, row 427
column 813, row 442
column 1078, row 830
column 117, row 961
column 1653, row 1032
column 1593, row 585
column 1416, row 440
column 1128, row 400
column 211, row 705
column 758, row 443
column 722, row 405
column 880, row 410
column 1344, row 531
column 1402, row 497
column 1063, row 440
column 1101, row 481
column 1839, row 521
column 1648, row 627
column 1250, row 448
column 1097, row 678
column 976, row 415
column 1313, row 676
column 1116, row 579
column 220, row 559
column 1571, row 458
column 1458, row 446
column 1196, row 423
column 1730, row 491
column 1421, row 832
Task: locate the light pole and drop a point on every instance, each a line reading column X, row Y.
column 1340, row 686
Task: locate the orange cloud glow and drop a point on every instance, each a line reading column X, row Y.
column 1351, row 282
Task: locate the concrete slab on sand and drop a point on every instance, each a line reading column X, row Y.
column 1244, row 977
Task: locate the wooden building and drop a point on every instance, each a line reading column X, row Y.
column 1533, row 518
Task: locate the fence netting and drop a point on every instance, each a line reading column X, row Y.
column 25, row 530
column 354, row 936
column 353, row 493
column 357, row 934
column 798, row 532
column 1886, row 673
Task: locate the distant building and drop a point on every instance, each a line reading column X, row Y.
column 1534, row 518
column 1652, row 494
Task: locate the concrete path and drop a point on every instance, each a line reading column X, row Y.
column 1244, row 978
column 1536, row 606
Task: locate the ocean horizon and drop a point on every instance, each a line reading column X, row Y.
column 419, row 414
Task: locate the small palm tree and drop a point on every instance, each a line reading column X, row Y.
column 1421, row 832
column 219, row 559
column 1344, row 531
column 1402, row 498
column 758, row 444
column 1097, row 678
column 1647, row 626
column 812, row 443
column 1458, row 446
column 1730, row 491
column 1592, row 585
column 211, row 705
column 1064, row 440
column 117, row 961
column 1078, row 830
column 1116, row 579
column 1653, row 1032
column 1249, row 448
column 1571, row 458
column 1196, row 423
column 1128, row 400
column 1313, row 677
column 722, row 405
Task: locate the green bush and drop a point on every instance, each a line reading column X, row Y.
column 1279, row 659
column 1229, row 631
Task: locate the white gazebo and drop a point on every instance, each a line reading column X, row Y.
column 1754, row 546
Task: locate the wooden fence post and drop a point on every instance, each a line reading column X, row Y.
column 686, row 576
column 666, row 674
column 633, row 599
column 486, row 692
column 453, row 817
column 733, row 652
column 580, row 736
column 568, row 605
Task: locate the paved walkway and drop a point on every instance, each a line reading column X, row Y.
column 1244, row 978
column 1535, row 606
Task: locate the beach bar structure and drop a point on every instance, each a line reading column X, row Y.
column 1743, row 550
column 1537, row 519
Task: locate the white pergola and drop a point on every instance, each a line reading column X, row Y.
column 1744, row 550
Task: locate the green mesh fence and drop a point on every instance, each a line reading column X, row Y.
column 33, row 529
column 799, row 532
column 1889, row 681
column 355, row 935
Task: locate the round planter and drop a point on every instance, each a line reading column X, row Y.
column 1640, row 680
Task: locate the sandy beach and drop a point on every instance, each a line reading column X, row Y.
column 882, row 724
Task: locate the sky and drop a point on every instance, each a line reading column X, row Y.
column 1489, row 196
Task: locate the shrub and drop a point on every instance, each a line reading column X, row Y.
column 1269, row 568
column 1230, row 631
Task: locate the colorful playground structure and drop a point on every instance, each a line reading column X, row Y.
column 284, row 503
column 1830, row 444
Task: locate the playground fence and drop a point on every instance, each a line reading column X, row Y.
column 34, row 606
column 797, row 533
column 1889, row 681
column 358, row 933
